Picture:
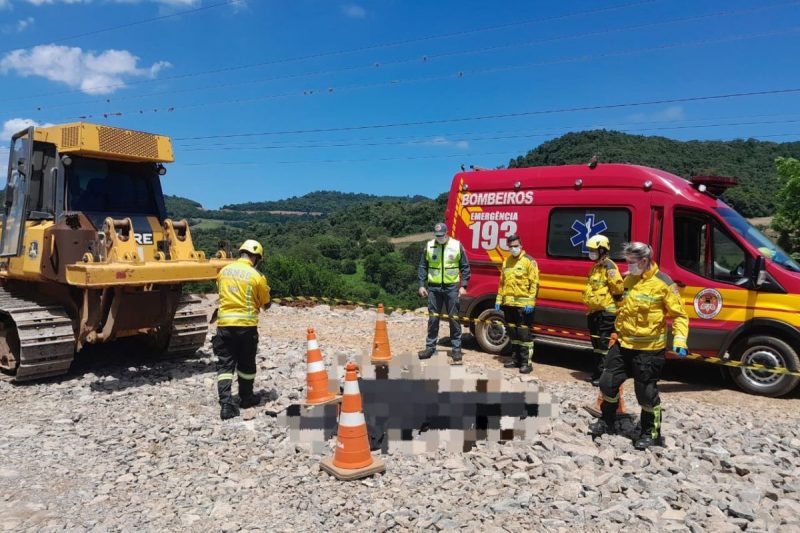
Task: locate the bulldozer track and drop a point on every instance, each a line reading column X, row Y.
column 46, row 336
column 190, row 325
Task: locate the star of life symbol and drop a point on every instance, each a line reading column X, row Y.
column 586, row 229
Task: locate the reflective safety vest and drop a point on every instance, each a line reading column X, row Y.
column 443, row 262
column 243, row 291
column 519, row 281
column 642, row 318
column 603, row 287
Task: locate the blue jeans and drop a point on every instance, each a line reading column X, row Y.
column 443, row 301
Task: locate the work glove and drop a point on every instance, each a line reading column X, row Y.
column 497, row 307
column 680, row 351
column 528, row 309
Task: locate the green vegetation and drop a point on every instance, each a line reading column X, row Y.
column 749, row 160
column 787, row 216
column 319, row 202
column 346, row 253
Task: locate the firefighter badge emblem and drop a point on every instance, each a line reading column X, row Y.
column 708, row 303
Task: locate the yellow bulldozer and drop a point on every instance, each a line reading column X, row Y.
column 87, row 252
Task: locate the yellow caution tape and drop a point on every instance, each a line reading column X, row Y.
column 692, row 356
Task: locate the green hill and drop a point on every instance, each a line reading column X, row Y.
column 320, row 202
column 752, row 161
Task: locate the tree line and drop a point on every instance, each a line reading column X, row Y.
column 347, row 253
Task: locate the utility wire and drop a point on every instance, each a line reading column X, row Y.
column 379, row 46
column 437, row 77
column 496, row 116
column 463, row 156
column 433, row 142
column 424, row 59
column 128, row 25
column 449, row 135
column 319, row 161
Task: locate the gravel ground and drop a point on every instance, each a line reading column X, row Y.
column 126, row 443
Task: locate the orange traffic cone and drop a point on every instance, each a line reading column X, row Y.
column 620, row 406
column 381, row 352
column 316, row 375
column 352, row 458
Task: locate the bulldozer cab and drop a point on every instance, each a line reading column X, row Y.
column 43, row 185
column 88, row 254
column 16, row 193
column 102, row 188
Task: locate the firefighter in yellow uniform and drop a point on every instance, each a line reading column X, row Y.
column 243, row 291
column 516, row 297
column 650, row 296
column 603, row 291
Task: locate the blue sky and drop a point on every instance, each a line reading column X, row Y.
column 268, row 99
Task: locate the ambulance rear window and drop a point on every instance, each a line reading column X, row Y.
column 570, row 228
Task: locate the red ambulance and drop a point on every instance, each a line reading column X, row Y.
column 742, row 292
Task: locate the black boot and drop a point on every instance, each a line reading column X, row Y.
column 515, row 361
column 599, row 428
column 651, row 429
column 246, row 397
column 427, row 353
column 456, row 354
column 249, row 400
column 608, row 412
column 228, row 411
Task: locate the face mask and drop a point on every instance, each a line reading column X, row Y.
column 515, row 250
column 635, row 269
column 593, row 256
column 441, row 240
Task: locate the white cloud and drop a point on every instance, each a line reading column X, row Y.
column 18, row 27
column 5, row 4
column 354, row 11
column 24, row 24
column 670, row 114
column 15, row 125
column 10, row 127
column 167, row 2
column 90, row 72
column 444, row 141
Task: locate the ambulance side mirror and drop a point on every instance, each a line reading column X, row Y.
column 759, row 275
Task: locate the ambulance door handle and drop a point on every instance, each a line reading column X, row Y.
column 679, row 283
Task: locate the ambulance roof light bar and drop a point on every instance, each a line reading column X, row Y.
column 713, row 185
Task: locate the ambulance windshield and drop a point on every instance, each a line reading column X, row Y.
column 768, row 249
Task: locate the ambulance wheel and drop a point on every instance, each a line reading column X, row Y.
column 491, row 332
column 767, row 351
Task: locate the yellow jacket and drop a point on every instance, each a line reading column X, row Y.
column 519, row 281
column 642, row 318
column 243, row 291
column 604, row 287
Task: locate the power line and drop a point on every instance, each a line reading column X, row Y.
column 433, row 142
column 438, row 77
column 450, row 135
column 792, row 90
column 320, row 161
column 463, row 156
column 333, row 53
column 425, row 59
column 129, row 25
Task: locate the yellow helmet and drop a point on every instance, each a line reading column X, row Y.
column 252, row 247
column 598, row 241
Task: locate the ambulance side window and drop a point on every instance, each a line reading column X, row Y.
column 702, row 247
column 569, row 228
